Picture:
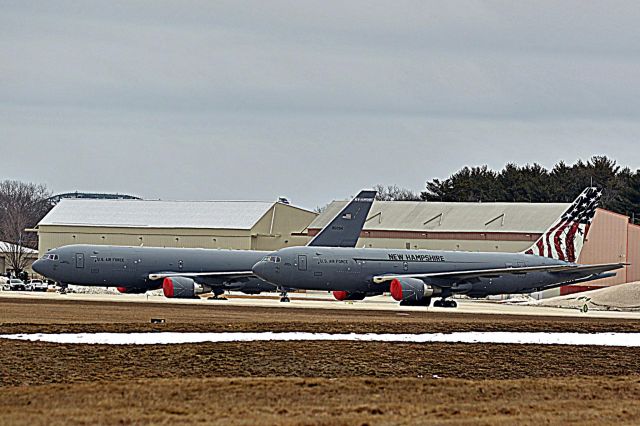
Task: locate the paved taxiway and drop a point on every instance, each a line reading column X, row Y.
column 318, row 300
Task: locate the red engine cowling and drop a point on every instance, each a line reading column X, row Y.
column 181, row 288
column 131, row 290
column 345, row 295
column 410, row 290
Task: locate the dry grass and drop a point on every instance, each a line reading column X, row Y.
column 356, row 401
column 307, row 382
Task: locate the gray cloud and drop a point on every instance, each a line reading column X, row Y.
column 312, row 100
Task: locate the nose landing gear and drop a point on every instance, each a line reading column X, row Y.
column 284, row 296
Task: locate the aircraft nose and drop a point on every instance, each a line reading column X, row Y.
column 38, row 266
column 261, row 269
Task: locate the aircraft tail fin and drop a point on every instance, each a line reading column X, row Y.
column 344, row 230
column 565, row 238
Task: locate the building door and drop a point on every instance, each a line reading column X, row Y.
column 302, row 262
column 80, row 260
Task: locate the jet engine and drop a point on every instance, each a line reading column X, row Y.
column 131, row 290
column 411, row 291
column 345, row 295
column 181, row 288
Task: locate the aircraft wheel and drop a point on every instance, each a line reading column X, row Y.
column 285, row 300
column 451, row 304
column 437, row 304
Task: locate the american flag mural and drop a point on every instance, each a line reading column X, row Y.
column 565, row 238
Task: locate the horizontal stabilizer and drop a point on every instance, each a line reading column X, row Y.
column 596, row 269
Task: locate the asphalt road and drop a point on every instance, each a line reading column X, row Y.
column 326, row 301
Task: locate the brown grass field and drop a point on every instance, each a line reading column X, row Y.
column 307, row 382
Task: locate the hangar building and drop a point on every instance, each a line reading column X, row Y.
column 507, row 227
column 243, row 225
column 269, row 226
column 8, row 250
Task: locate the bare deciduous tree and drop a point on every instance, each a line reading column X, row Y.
column 395, row 193
column 22, row 205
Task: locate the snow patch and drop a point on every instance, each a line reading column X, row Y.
column 574, row 339
column 622, row 297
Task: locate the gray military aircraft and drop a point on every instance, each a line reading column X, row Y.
column 414, row 277
column 185, row 273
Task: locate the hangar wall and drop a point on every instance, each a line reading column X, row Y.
column 633, row 253
column 282, row 226
column 492, row 227
column 607, row 243
column 56, row 236
column 451, row 241
column 261, row 226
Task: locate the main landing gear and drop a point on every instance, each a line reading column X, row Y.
column 216, row 295
column 284, row 296
column 444, row 303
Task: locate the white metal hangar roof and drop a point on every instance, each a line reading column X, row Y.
column 12, row 248
column 157, row 214
column 453, row 217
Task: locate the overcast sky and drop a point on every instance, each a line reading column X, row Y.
column 309, row 100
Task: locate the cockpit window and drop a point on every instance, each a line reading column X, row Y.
column 50, row 257
column 272, row 259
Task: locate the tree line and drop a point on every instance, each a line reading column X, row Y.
column 22, row 206
column 532, row 183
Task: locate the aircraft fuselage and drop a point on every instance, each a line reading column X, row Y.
column 129, row 267
column 353, row 270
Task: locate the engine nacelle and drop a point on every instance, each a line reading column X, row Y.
column 345, row 295
column 131, row 290
column 410, row 290
column 181, row 288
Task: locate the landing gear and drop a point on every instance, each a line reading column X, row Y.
column 284, row 296
column 216, row 295
column 444, row 303
column 63, row 288
column 424, row 302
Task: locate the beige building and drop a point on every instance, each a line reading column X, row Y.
column 7, row 250
column 243, row 225
column 492, row 227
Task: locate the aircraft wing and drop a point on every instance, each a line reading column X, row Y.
column 229, row 275
column 493, row 273
column 597, row 269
